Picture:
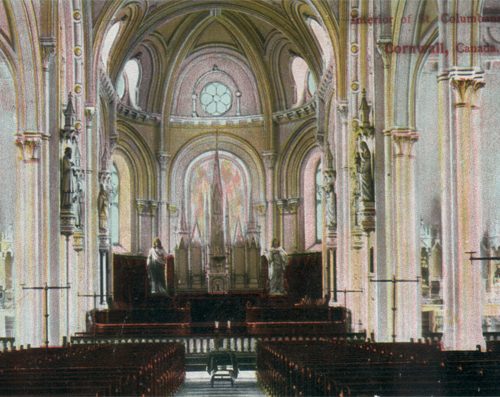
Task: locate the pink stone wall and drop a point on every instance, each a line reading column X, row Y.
column 233, row 72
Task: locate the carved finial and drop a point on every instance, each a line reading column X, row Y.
column 365, row 110
column 329, row 158
column 69, row 113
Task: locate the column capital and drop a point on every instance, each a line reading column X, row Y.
column 343, row 110
column 153, row 206
column 48, row 47
column 29, row 143
column 261, row 208
column 89, row 115
column 288, row 206
column 172, row 208
column 382, row 44
column 141, row 206
column 403, row 140
column 163, row 158
column 466, row 83
column 269, row 158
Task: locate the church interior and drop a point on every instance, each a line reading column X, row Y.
column 307, row 189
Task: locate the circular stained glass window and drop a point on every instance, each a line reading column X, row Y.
column 216, row 98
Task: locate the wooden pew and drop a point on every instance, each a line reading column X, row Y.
column 131, row 369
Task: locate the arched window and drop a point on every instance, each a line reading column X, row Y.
column 114, row 210
column 318, row 214
column 323, row 40
column 132, row 71
column 108, row 42
column 300, row 72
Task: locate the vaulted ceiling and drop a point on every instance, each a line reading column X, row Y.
column 265, row 34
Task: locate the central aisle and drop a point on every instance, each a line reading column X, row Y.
column 198, row 384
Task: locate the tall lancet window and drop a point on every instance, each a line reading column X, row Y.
column 235, row 189
column 114, row 210
column 318, row 212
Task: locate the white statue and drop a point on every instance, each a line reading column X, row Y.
column 278, row 260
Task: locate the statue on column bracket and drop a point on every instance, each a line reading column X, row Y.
column 68, row 181
column 331, row 195
column 364, row 156
column 103, row 208
column 364, row 170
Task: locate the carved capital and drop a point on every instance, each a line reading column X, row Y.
column 29, row 143
column 89, row 115
column 153, row 206
column 172, row 209
column 261, row 208
column 269, row 158
column 403, row 141
column 466, row 84
column 293, row 205
column 288, row 206
column 382, row 45
column 141, row 206
column 163, row 159
column 48, row 50
column 343, row 111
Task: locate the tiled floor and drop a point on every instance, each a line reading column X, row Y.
column 198, row 384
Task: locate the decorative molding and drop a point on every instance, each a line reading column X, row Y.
column 325, row 87
column 303, row 112
column 137, row 114
column 107, row 86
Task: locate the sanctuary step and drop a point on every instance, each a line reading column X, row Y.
column 198, row 362
column 198, row 384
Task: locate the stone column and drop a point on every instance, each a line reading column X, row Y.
column 90, row 244
column 343, row 197
column 141, row 214
column 408, row 317
column 162, row 218
column 269, row 158
column 461, row 209
column 29, row 271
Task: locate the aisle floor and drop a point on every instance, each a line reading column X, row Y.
column 198, row 384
